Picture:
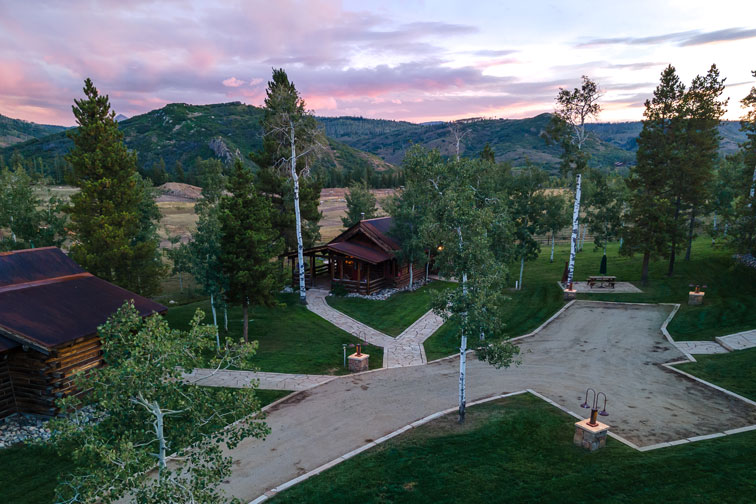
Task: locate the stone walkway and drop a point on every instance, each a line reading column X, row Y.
column 738, row 341
column 404, row 350
column 617, row 348
column 242, row 379
column 722, row 344
column 701, row 347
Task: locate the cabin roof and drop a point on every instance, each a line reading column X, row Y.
column 361, row 252
column 31, row 265
column 51, row 301
column 6, row 345
column 377, row 230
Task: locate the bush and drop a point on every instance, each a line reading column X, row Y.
column 338, row 290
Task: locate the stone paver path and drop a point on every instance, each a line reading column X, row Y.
column 701, row 347
column 738, row 341
column 404, row 350
column 243, row 379
column 616, row 348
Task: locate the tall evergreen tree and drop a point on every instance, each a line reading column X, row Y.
column 291, row 141
column 702, row 110
column 248, row 245
column 744, row 235
column 109, row 214
column 361, row 204
column 604, row 212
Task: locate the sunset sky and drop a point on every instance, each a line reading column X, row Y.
column 409, row 60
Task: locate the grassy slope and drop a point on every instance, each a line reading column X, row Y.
column 730, row 304
column 292, row 339
column 29, row 474
column 520, row 450
column 735, row 371
column 393, row 315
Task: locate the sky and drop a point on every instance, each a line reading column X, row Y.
column 404, row 60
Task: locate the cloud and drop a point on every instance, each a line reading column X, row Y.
column 233, row 82
column 682, row 39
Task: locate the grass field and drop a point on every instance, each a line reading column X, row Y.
column 520, row 450
column 393, row 315
column 29, row 473
column 292, row 339
column 735, row 371
column 730, row 304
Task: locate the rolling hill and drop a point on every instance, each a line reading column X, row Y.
column 182, row 132
column 513, row 140
column 13, row 131
column 358, row 148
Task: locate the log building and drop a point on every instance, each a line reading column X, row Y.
column 50, row 309
column 362, row 259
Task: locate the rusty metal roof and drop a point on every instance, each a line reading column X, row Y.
column 30, row 265
column 50, row 312
column 361, row 252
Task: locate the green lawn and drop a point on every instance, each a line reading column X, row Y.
column 729, row 307
column 29, row 473
column 292, row 339
column 393, row 315
column 735, row 371
column 520, row 450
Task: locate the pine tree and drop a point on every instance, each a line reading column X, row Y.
column 179, row 172
column 109, row 214
column 361, row 204
column 248, row 245
column 291, row 142
column 702, row 110
column 487, row 154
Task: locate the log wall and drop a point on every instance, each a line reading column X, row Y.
column 403, row 279
column 7, row 401
column 39, row 380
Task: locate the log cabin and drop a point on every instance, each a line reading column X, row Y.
column 363, row 259
column 50, row 309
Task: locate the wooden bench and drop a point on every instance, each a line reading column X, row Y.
column 602, row 281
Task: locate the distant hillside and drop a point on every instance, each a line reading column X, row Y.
column 625, row 135
column 227, row 131
column 514, row 140
column 13, row 131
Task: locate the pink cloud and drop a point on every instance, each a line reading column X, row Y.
column 233, row 82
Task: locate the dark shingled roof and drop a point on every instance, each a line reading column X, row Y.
column 382, row 226
column 361, row 252
column 70, row 304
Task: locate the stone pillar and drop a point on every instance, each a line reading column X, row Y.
column 358, row 363
column 589, row 437
column 570, row 294
column 695, row 298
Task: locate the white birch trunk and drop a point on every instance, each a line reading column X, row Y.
column 714, row 228
column 725, row 229
column 427, row 266
column 522, row 268
column 160, row 436
column 574, row 238
column 13, row 235
column 215, row 320
column 225, row 316
column 753, row 186
column 463, row 361
column 411, row 277
column 551, row 259
column 300, row 246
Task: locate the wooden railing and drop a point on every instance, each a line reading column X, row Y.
column 361, row 287
column 320, row 270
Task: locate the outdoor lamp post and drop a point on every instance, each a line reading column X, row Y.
column 593, row 422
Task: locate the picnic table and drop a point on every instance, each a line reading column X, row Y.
column 602, row 281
